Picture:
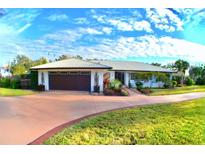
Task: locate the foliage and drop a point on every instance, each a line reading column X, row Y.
column 168, row 84
column 15, row 92
column 5, row 82
column 162, row 77
column 178, row 90
column 174, row 83
column 200, row 81
column 165, row 124
column 195, row 72
column 177, row 79
column 64, row 57
column 189, row 81
column 21, row 64
column 34, row 79
column 181, row 66
column 115, row 85
column 15, row 83
column 156, row 64
column 139, row 85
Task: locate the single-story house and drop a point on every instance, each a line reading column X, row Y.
column 76, row 74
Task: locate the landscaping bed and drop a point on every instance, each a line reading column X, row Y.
column 180, row 123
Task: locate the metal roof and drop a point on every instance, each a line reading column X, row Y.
column 71, row 64
column 133, row 66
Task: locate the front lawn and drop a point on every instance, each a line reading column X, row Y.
column 178, row 90
column 180, row 123
column 15, row 92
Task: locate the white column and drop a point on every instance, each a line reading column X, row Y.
column 126, row 79
column 46, row 80
column 100, row 75
column 39, row 77
column 112, row 75
column 92, row 81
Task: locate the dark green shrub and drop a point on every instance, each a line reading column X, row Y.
column 15, row 83
column 34, row 79
column 139, row 85
column 168, row 84
column 200, row 81
column 5, row 82
column 189, row 81
column 174, row 83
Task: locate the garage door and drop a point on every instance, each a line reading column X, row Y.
column 69, row 81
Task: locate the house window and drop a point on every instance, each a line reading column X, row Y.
column 42, row 78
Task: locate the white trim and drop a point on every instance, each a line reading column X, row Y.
column 46, row 79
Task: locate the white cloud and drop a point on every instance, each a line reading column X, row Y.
column 165, row 19
column 125, row 24
column 58, row 17
column 142, row 25
column 91, row 31
column 107, row 30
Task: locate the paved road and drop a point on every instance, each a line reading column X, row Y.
column 25, row 118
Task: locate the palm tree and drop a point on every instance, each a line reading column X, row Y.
column 181, row 66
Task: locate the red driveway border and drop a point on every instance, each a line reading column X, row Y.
column 52, row 132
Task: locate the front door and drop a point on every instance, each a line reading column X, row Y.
column 120, row 76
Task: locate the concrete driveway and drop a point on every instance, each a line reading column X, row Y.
column 25, row 118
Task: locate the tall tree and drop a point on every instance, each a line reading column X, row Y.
column 195, row 72
column 181, row 67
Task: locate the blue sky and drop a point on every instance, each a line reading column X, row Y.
column 147, row 35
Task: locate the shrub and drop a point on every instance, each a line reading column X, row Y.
column 41, row 88
column 168, row 84
column 34, row 79
column 200, row 81
column 146, row 91
column 5, row 82
column 139, row 85
column 174, row 83
column 189, row 81
column 115, row 85
column 15, row 83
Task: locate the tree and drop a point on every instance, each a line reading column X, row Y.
column 156, row 64
column 22, row 64
column 181, row 66
column 40, row 61
column 195, row 72
column 63, row 57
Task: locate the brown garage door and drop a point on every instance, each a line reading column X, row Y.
column 69, row 81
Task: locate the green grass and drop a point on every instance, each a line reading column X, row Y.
column 15, row 92
column 178, row 90
column 179, row 123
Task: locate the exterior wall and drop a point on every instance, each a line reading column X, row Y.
column 100, row 80
column 46, row 79
column 112, row 75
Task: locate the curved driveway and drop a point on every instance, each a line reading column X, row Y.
column 25, row 118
